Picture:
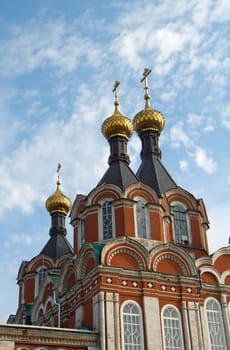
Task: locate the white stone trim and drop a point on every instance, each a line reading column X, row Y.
column 152, row 329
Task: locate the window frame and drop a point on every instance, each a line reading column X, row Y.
column 147, row 219
column 38, row 280
column 186, row 220
column 141, row 326
column 101, row 219
column 166, row 347
column 221, row 324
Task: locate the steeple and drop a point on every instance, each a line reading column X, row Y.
column 58, row 205
column 149, row 123
column 117, row 129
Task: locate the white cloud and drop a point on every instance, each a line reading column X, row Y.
column 19, row 238
column 194, row 120
column 178, row 136
column 204, row 161
column 225, row 116
column 57, row 45
column 183, row 165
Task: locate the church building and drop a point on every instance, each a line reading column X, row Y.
column 138, row 275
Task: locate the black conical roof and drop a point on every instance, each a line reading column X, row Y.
column 119, row 174
column 57, row 246
column 153, row 173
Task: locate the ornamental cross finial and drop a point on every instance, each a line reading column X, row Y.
column 147, row 71
column 58, row 172
column 115, row 90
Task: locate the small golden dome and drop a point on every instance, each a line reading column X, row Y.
column 58, row 202
column 117, row 124
column 148, row 118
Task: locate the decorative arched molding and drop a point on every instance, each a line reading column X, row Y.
column 171, row 252
column 203, row 261
column 39, row 301
column 67, row 268
column 127, row 246
column 212, row 271
column 24, row 348
column 220, row 252
column 39, row 313
column 224, row 275
column 180, row 195
column 85, row 254
column 77, row 207
column 49, row 300
column 60, row 263
column 141, row 190
column 105, row 190
column 40, row 260
column 22, row 270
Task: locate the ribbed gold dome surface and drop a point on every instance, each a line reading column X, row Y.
column 149, row 119
column 117, row 125
column 58, row 202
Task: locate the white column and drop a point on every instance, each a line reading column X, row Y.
column 224, row 307
column 96, row 312
column 195, row 326
column 116, row 322
column 79, row 316
column 6, row 345
column 152, row 323
column 204, row 328
column 109, row 312
column 102, row 321
column 187, row 339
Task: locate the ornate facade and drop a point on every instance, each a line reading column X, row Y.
column 139, row 275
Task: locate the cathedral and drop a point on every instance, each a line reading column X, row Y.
column 138, row 275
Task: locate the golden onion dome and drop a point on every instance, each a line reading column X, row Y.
column 58, row 202
column 117, row 124
column 148, row 118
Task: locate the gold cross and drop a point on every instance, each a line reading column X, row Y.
column 145, row 75
column 115, row 89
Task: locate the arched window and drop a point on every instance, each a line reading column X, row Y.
column 141, row 217
column 180, row 224
column 173, row 339
column 107, row 219
column 41, row 277
column 132, row 326
column 215, row 325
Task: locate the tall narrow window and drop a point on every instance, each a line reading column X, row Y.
column 41, row 277
column 180, row 224
column 107, row 219
column 172, row 330
column 215, row 325
column 141, row 218
column 132, row 327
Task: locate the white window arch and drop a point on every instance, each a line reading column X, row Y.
column 215, row 325
column 141, row 218
column 106, row 226
column 172, row 329
column 41, row 275
column 181, row 226
column 132, row 326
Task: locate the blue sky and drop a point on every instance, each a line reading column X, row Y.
column 59, row 60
